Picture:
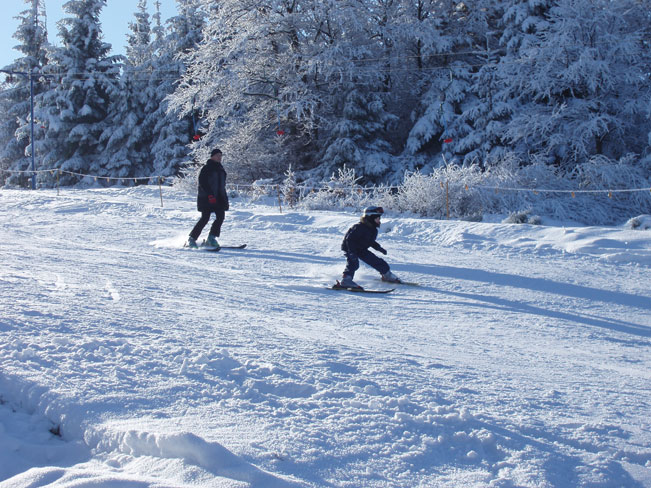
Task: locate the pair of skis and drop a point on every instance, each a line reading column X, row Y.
column 338, row 286
column 217, row 249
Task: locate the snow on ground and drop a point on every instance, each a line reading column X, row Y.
column 523, row 359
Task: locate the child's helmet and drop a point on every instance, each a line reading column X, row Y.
column 372, row 212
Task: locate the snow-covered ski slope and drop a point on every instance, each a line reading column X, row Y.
column 523, row 360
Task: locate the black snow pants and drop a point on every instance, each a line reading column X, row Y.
column 216, row 227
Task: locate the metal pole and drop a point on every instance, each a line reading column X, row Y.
column 31, row 96
column 447, row 199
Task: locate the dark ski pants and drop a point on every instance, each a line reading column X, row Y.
column 205, row 217
column 352, row 262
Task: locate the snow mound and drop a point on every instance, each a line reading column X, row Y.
column 642, row 222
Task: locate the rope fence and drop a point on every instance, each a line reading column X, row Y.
column 270, row 188
column 481, row 187
column 58, row 172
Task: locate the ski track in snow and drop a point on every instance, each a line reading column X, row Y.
column 521, row 360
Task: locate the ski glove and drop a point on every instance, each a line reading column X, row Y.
column 382, row 250
column 212, row 200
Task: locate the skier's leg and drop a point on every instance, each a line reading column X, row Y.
column 216, row 227
column 375, row 262
column 196, row 231
column 352, row 264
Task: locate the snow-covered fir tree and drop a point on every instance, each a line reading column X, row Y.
column 363, row 124
column 139, row 37
column 579, row 85
column 429, row 36
column 358, row 140
column 361, row 65
column 458, row 79
column 15, row 95
column 437, row 129
column 128, row 142
column 76, row 109
column 522, row 23
column 384, row 87
column 475, row 135
column 173, row 131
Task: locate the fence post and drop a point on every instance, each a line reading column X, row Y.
column 280, row 206
column 160, row 190
column 447, row 198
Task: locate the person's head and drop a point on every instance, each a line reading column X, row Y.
column 373, row 215
column 216, row 154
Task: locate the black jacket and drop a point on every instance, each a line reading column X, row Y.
column 212, row 181
column 360, row 237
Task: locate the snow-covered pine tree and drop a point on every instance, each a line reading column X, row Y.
column 475, row 132
column 358, row 139
column 580, row 83
column 139, row 37
column 363, row 128
column 7, row 137
column 428, row 41
column 126, row 138
column 522, row 23
column 357, row 66
column 173, row 131
column 437, row 128
column 15, row 122
column 447, row 64
column 76, row 109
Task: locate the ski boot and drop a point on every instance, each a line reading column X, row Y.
column 347, row 282
column 212, row 241
column 389, row 277
column 191, row 243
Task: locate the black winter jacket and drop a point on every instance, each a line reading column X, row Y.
column 212, row 181
column 360, row 237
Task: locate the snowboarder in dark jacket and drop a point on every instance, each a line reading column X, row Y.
column 211, row 198
column 356, row 242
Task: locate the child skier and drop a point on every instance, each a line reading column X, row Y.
column 356, row 242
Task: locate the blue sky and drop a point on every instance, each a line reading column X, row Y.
column 115, row 20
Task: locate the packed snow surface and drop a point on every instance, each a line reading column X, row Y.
column 522, row 360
